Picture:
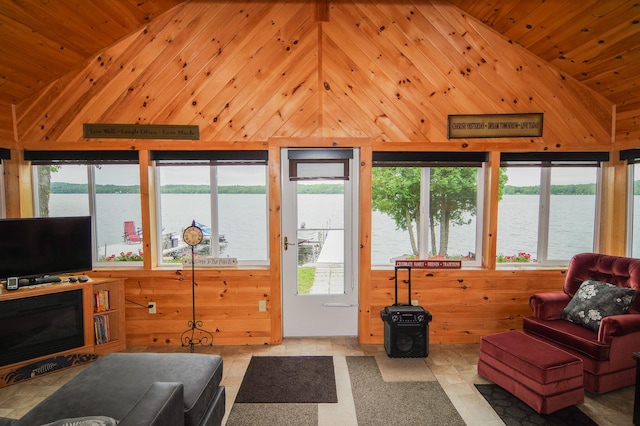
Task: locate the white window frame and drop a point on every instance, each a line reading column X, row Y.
column 544, row 220
column 91, row 194
column 425, row 202
column 213, row 182
column 425, row 199
column 632, row 156
column 631, row 167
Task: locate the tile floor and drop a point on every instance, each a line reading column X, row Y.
column 454, row 366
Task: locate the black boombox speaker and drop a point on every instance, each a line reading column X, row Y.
column 406, row 327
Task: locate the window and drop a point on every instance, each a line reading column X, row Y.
column 548, row 210
column 427, row 205
column 102, row 184
column 224, row 192
column 633, row 216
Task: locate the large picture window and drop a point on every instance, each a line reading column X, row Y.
column 426, row 205
column 102, row 184
column 632, row 156
column 549, row 208
column 224, row 192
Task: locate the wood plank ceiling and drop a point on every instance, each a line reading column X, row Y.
column 596, row 42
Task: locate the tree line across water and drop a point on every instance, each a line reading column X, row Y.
column 79, row 188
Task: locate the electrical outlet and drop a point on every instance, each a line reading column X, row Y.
column 415, row 303
column 262, row 306
column 152, row 307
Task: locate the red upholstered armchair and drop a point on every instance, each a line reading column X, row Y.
column 607, row 354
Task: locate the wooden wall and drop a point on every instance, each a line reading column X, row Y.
column 378, row 77
column 253, row 71
column 627, row 126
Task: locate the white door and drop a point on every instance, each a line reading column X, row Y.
column 319, row 242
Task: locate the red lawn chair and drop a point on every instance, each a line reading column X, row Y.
column 130, row 234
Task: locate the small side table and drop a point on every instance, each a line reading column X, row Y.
column 636, row 404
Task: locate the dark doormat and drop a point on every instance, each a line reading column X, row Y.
column 514, row 412
column 289, row 379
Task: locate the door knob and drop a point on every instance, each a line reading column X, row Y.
column 287, row 243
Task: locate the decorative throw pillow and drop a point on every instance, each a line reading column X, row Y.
column 85, row 421
column 595, row 300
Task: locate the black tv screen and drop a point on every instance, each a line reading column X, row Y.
column 34, row 247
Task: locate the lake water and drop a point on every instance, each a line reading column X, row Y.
column 245, row 223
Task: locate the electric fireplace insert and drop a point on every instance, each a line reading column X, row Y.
column 36, row 326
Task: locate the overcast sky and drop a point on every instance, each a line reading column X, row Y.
column 246, row 175
column 129, row 175
column 527, row 176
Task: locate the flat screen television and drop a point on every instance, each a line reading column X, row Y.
column 36, row 247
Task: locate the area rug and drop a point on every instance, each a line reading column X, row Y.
column 401, row 403
column 289, row 379
column 514, row 412
column 45, row 366
column 273, row 415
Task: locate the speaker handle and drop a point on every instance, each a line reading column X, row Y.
column 408, row 268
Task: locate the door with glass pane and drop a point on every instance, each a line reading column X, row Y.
column 319, row 235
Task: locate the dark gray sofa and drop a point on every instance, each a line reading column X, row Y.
column 139, row 389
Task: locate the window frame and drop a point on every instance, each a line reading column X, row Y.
column 546, row 162
column 211, row 159
column 426, row 161
column 630, row 208
column 88, row 159
column 632, row 157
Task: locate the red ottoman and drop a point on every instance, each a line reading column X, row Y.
column 542, row 376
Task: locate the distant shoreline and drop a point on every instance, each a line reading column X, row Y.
column 78, row 188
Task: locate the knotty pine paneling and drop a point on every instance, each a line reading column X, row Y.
column 595, row 42
column 226, row 303
column 43, row 40
column 6, row 126
column 250, row 71
column 628, row 126
column 465, row 304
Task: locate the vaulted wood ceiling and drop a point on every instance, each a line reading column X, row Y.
column 596, row 42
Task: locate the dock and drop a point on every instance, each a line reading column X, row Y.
column 329, row 276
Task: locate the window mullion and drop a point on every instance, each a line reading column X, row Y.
column 598, row 209
column 543, row 219
column 158, row 209
column 630, row 209
column 91, row 189
column 35, row 185
column 425, row 201
column 214, row 239
column 480, row 185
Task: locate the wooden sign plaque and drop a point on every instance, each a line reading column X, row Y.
column 140, row 131
column 430, row 264
column 210, row 261
column 467, row 126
